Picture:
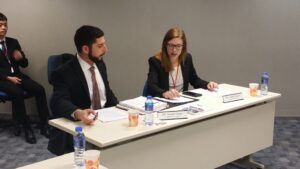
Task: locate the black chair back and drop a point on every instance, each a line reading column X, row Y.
column 55, row 61
column 146, row 90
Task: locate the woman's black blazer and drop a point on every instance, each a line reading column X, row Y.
column 158, row 78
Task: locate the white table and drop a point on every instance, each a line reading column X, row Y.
column 65, row 161
column 227, row 132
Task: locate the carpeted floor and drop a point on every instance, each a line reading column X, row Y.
column 284, row 154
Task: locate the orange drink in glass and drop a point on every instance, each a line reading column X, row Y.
column 92, row 159
column 133, row 118
column 253, row 87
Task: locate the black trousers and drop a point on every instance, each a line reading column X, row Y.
column 18, row 104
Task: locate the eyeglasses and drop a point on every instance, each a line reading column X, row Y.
column 173, row 46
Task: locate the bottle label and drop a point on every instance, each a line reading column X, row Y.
column 264, row 79
column 79, row 141
column 149, row 106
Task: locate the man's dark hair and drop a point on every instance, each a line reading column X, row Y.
column 3, row 17
column 86, row 35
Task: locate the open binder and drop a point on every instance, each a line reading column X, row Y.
column 138, row 103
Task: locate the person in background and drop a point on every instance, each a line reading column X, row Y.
column 80, row 86
column 14, row 82
column 172, row 69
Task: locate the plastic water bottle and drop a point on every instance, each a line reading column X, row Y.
column 79, row 148
column 264, row 83
column 149, row 111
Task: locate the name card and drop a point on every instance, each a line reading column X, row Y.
column 172, row 115
column 232, row 97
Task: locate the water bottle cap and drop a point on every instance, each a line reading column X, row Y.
column 78, row 129
column 149, row 97
column 265, row 73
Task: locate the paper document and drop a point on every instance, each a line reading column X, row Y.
column 111, row 114
column 139, row 104
column 194, row 107
column 175, row 100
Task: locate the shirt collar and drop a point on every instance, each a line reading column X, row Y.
column 83, row 64
column 4, row 39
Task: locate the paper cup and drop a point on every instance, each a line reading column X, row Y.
column 92, row 159
column 133, row 118
column 253, row 87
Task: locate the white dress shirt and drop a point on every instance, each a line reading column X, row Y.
column 179, row 79
column 2, row 48
column 85, row 68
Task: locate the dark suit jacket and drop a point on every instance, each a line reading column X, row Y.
column 70, row 93
column 158, row 78
column 5, row 68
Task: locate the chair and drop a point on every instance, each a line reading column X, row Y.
column 55, row 61
column 5, row 97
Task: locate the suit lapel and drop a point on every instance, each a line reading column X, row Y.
column 184, row 74
column 9, row 47
column 80, row 75
column 102, row 72
column 166, row 74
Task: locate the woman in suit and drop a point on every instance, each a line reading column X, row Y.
column 172, row 69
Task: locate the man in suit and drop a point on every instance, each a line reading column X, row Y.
column 13, row 82
column 80, row 86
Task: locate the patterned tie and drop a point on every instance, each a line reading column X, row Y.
column 96, row 102
column 3, row 50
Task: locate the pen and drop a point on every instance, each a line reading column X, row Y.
column 121, row 107
column 96, row 116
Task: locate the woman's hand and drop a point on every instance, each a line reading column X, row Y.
column 212, row 85
column 171, row 94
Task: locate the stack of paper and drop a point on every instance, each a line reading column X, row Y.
column 111, row 114
column 139, row 104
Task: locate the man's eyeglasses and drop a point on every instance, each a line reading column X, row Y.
column 173, row 46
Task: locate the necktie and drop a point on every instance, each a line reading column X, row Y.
column 96, row 102
column 3, row 50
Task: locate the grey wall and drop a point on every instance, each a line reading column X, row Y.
column 232, row 41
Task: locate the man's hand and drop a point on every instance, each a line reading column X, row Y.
column 84, row 115
column 14, row 80
column 171, row 94
column 17, row 55
column 212, row 85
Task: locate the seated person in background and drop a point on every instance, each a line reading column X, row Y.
column 172, row 69
column 13, row 82
column 80, row 86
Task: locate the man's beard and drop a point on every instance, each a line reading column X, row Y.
column 92, row 58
